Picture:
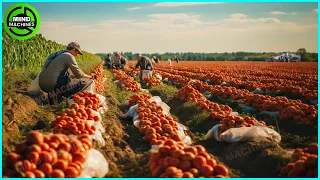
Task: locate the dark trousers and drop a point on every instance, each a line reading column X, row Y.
column 109, row 65
column 61, row 90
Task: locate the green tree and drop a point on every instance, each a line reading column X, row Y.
column 301, row 51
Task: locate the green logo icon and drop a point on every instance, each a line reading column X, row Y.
column 21, row 21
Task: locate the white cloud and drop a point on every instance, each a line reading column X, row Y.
column 242, row 18
column 315, row 10
column 238, row 15
column 172, row 4
column 277, row 13
column 134, row 8
column 178, row 16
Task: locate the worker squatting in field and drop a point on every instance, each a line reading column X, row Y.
column 145, row 65
column 55, row 78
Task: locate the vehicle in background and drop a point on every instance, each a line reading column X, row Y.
column 284, row 57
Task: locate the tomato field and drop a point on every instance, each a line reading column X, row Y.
column 190, row 119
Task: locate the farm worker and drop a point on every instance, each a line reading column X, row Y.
column 108, row 61
column 116, row 60
column 176, row 59
column 123, row 63
column 169, row 62
column 155, row 59
column 55, row 78
column 144, row 63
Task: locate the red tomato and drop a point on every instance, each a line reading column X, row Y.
column 57, row 173
column 71, row 172
column 35, row 137
column 185, row 165
column 38, row 173
column 75, row 145
column 206, row 171
column 205, row 155
column 178, row 153
column 164, row 150
column 64, row 146
column 46, row 139
column 188, row 156
column 171, row 170
column 53, row 145
column 54, row 155
column 61, row 164
column 173, row 162
column 79, row 156
column 46, row 168
column 200, row 149
column 44, row 146
column 34, row 148
column 195, row 172
column 177, row 175
column 29, row 174
column 187, row 175
column 170, row 143
column 77, row 165
column 193, row 150
column 45, row 157
column 33, row 157
column 212, row 162
column 219, row 176
column 65, row 155
column 57, row 138
column 221, row 170
column 23, row 166
column 199, row 162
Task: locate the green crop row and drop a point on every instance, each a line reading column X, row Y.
column 33, row 52
column 23, row 60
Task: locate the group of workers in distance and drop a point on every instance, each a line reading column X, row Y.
column 57, row 82
column 119, row 62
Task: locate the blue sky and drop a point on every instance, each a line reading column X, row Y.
column 180, row 27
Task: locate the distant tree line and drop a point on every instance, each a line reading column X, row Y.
column 234, row 56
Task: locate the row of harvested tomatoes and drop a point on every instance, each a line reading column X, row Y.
column 251, row 71
column 41, row 155
column 303, row 163
column 188, row 93
column 173, row 159
column 99, row 78
column 152, row 81
column 74, row 120
column 220, row 112
column 154, row 124
column 129, row 83
column 176, row 160
column 288, row 109
column 300, row 89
